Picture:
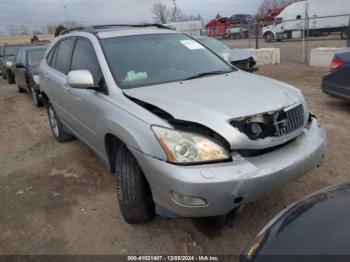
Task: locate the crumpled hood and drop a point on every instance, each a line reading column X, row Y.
column 221, row 97
column 238, row 54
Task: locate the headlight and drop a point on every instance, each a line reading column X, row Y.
column 8, row 64
column 36, row 79
column 187, row 147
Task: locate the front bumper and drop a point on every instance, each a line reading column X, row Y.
column 243, row 179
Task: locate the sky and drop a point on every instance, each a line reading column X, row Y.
column 37, row 13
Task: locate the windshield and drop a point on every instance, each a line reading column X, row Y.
column 12, row 50
column 35, row 56
column 160, row 58
column 215, row 44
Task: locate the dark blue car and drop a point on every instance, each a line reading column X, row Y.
column 337, row 82
column 315, row 229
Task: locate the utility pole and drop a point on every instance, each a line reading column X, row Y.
column 65, row 15
column 174, row 11
column 348, row 35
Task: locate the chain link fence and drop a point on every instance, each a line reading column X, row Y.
column 295, row 38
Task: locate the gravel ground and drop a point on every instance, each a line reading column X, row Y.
column 58, row 198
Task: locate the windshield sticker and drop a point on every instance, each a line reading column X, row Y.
column 132, row 76
column 191, row 44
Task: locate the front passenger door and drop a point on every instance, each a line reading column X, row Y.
column 82, row 105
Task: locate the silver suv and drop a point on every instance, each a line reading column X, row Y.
column 185, row 133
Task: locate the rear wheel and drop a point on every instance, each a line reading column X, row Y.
column 134, row 194
column 58, row 130
column 268, row 37
column 20, row 89
column 36, row 99
column 3, row 74
column 10, row 78
column 345, row 34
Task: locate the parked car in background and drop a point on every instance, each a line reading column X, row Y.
column 337, row 82
column 185, row 133
column 7, row 55
column 241, row 58
column 26, row 70
column 315, row 229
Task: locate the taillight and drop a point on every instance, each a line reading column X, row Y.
column 336, row 63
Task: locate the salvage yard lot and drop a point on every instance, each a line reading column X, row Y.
column 58, row 198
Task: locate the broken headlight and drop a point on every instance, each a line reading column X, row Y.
column 184, row 147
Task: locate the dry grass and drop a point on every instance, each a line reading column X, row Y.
column 23, row 39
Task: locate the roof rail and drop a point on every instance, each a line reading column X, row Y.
column 130, row 25
column 93, row 29
column 79, row 28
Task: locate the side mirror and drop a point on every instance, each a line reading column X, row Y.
column 81, row 79
column 19, row 65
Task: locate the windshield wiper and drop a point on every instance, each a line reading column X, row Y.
column 219, row 72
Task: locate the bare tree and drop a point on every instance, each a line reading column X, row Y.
column 161, row 13
column 23, row 30
column 51, row 29
column 13, row 30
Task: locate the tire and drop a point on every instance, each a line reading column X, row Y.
column 20, row 89
column 57, row 128
column 344, row 35
column 268, row 37
column 36, row 99
column 10, row 78
column 3, row 74
column 134, row 194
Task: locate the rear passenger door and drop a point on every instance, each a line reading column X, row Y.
column 83, row 105
column 56, row 75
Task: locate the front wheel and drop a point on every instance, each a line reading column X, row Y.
column 20, row 89
column 345, row 35
column 134, row 194
column 268, row 37
column 58, row 130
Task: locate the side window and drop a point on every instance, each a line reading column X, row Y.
column 62, row 59
column 18, row 56
column 23, row 57
column 84, row 58
column 50, row 55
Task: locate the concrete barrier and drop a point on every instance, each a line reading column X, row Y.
column 322, row 56
column 267, row 56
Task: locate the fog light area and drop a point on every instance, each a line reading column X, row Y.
column 188, row 200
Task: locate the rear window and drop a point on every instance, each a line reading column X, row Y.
column 12, row 50
column 35, row 56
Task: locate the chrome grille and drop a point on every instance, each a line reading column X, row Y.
column 288, row 121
